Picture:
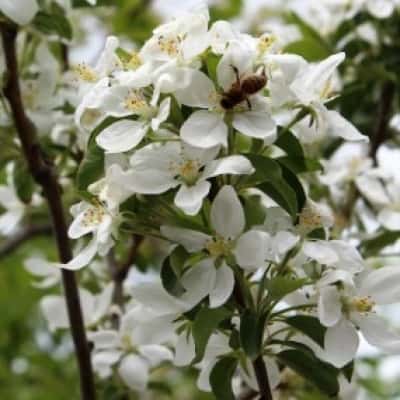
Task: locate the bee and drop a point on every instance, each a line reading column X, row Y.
column 242, row 88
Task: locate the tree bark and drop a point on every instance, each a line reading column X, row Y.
column 44, row 174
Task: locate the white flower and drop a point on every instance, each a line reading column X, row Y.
column 207, row 128
column 20, row 13
column 42, row 268
column 157, row 168
column 227, row 220
column 343, row 309
column 15, row 210
column 126, row 134
column 119, row 347
column 94, row 308
column 94, row 219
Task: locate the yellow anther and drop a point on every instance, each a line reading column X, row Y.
column 85, row 73
column 93, row 216
column 265, row 42
column 134, row 62
column 189, row 171
column 218, row 247
column 362, row 304
column 169, row 45
column 136, row 102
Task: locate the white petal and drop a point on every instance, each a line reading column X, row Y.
column 184, row 350
column 83, row 258
column 382, row 285
column 205, row 129
column 104, row 339
column 257, row 124
column 381, row 8
column 227, row 214
column 134, row 371
column 55, row 312
column 191, row 240
column 19, row 13
column 390, row 219
column 250, row 249
column 156, row 354
column 199, row 93
column 338, row 126
column 151, row 181
column 121, row 136
column 9, row 221
column 377, row 333
column 78, row 228
column 190, row 198
column 233, row 165
column 341, row 343
column 321, row 252
column 224, row 283
column 162, row 115
column 104, row 360
column 329, row 306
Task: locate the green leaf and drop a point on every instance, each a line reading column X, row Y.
column 23, row 181
column 254, row 210
column 290, row 144
column 280, row 286
column 348, row 371
column 205, row 323
column 221, row 378
column 84, row 3
column 53, row 22
column 310, row 326
column 323, row 375
column 382, row 239
column 251, row 333
column 91, row 168
column 170, row 279
column 269, row 178
column 294, row 182
column 212, row 61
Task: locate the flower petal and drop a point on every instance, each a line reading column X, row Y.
column 234, row 165
column 390, row 219
column 251, row 249
column 224, row 283
column 191, row 240
column 55, row 312
column 156, row 354
column 121, row 136
column 190, row 198
column 184, row 350
column 341, row 127
column 22, row 14
column 341, row 343
column 329, row 306
column 205, row 129
column 82, row 259
column 257, row 124
column 227, row 214
column 134, row 371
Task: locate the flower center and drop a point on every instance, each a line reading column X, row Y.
column 135, row 61
column 126, row 342
column 218, row 247
column 93, row 216
column 85, row 73
column 136, row 102
column 265, row 43
column 362, row 304
column 189, row 171
column 169, row 45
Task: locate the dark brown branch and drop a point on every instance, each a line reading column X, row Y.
column 120, row 272
column 259, row 366
column 381, row 131
column 45, row 176
column 11, row 244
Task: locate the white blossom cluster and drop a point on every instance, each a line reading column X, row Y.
column 189, row 130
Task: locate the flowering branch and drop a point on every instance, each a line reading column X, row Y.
column 22, row 236
column 45, row 176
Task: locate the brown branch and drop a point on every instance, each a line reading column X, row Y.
column 11, row 244
column 259, row 366
column 45, row 176
column 120, row 272
column 381, row 131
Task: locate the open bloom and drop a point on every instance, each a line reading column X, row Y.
column 22, row 14
column 157, row 168
column 228, row 239
column 345, row 307
column 207, row 128
column 14, row 207
column 94, row 308
column 134, row 359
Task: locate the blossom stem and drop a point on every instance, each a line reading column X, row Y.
column 44, row 174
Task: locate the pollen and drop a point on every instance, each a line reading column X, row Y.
column 85, row 73
column 218, row 247
column 135, row 61
column 309, row 218
column 265, row 42
column 189, row 171
column 170, row 45
column 362, row 304
column 93, row 216
column 136, row 102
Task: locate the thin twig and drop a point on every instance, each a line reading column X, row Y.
column 45, row 176
column 381, row 131
column 11, row 244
